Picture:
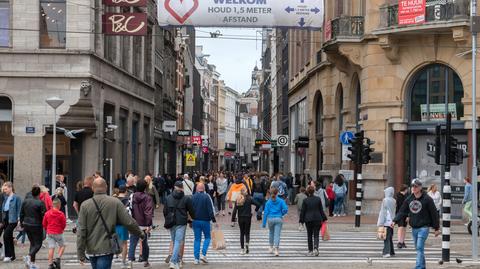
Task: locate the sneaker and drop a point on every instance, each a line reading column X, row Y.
column 174, row 266
column 58, row 263
column 140, row 259
column 335, row 215
column 386, row 256
column 276, row 252
column 146, row 264
column 247, row 249
column 343, row 215
column 270, row 250
column 310, row 254
column 125, row 265
column 51, row 266
column 404, row 245
column 242, row 252
column 399, row 245
column 196, row 262
column 203, row 258
column 316, row 253
column 167, row 259
column 299, row 228
column 33, row 266
column 26, row 261
column 7, row 259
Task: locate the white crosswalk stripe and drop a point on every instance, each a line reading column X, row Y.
column 343, row 247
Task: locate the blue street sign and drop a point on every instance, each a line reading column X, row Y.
column 345, row 137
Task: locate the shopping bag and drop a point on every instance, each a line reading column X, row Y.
column 381, row 233
column 324, row 231
column 218, row 240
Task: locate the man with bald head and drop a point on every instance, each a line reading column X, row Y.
column 204, row 213
column 93, row 238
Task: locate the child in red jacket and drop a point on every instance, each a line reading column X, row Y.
column 54, row 223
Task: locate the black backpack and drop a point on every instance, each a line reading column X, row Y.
column 171, row 217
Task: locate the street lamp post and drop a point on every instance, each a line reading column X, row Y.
column 54, row 102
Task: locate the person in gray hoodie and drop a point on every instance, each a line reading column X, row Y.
column 385, row 219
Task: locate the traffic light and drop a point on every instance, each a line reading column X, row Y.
column 438, row 145
column 367, row 151
column 356, row 148
column 452, row 150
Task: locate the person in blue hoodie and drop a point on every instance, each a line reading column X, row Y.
column 275, row 210
column 204, row 213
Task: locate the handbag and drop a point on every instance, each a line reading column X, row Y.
column 324, row 231
column 381, row 233
column 113, row 237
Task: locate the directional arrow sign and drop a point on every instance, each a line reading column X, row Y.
column 316, row 10
column 289, row 9
column 302, row 22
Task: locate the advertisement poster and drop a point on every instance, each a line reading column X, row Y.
column 411, row 12
column 436, row 112
column 241, row 13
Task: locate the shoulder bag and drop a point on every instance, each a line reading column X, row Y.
column 113, row 237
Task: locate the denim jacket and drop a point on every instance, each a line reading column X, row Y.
column 15, row 207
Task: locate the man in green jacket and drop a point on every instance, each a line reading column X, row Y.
column 92, row 237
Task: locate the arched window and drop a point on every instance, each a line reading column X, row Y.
column 340, row 106
column 429, row 89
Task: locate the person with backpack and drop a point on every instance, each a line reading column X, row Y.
column 385, row 219
column 312, row 215
column 176, row 212
column 235, row 190
column 321, row 193
column 142, row 212
column 243, row 207
column 275, row 210
column 280, row 186
column 340, row 191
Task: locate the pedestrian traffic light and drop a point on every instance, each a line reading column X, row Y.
column 367, row 150
column 438, row 145
column 356, row 148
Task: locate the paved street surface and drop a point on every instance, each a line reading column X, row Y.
column 348, row 246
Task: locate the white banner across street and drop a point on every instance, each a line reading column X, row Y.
column 242, row 13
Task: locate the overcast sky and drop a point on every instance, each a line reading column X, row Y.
column 234, row 58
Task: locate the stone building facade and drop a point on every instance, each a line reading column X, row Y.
column 369, row 73
column 107, row 84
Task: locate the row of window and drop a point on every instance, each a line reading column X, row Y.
column 52, row 17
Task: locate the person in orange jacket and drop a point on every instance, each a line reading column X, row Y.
column 234, row 191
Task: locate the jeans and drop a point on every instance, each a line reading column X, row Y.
column 244, row 223
column 291, row 195
column 313, row 233
column 420, row 235
column 258, row 197
column 35, row 236
column 177, row 234
column 221, row 201
column 8, row 240
column 133, row 245
column 338, row 208
column 388, row 242
column 101, row 262
column 199, row 227
column 274, row 228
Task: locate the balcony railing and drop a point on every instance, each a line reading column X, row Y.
column 435, row 11
column 346, row 27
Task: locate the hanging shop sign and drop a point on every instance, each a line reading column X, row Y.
column 302, row 142
column 411, row 12
column 190, row 160
column 130, row 24
column 197, row 140
column 125, row 3
column 241, row 13
column 184, row 133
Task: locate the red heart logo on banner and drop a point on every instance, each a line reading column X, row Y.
column 178, row 17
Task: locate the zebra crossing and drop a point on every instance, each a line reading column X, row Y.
column 343, row 247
